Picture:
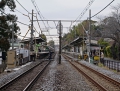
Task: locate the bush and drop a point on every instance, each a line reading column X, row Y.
column 108, row 51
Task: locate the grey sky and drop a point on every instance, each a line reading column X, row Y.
column 59, row 9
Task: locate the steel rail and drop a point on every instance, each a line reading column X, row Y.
column 87, row 76
column 102, row 75
column 4, row 86
column 29, row 86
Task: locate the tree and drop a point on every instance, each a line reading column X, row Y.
column 111, row 28
column 51, row 43
column 4, row 44
column 43, row 37
column 78, row 30
column 7, row 21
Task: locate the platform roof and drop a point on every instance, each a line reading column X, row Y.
column 37, row 39
column 66, row 46
column 77, row 41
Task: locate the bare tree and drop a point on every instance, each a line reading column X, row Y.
column 111, row 27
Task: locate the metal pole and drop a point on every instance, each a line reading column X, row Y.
column 31, row 41
column 59, row 42
column 13, row 36
column 89, row 33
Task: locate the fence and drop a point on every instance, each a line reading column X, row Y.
column 111, row 64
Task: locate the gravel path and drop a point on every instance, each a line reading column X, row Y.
column 61, row 77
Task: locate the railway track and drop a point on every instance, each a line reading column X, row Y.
column 101, row 81
column 26, row 80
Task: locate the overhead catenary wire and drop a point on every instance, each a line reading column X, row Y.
column 83, row 12
column 38, row 11
column 103, row 9
column 38, row 24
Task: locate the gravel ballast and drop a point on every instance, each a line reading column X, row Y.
column 107, row 72
column 61, row 77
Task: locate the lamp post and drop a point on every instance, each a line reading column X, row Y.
column 59, row 28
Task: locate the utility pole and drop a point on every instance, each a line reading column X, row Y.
column 89, row 35
column 60, row 42
column 12, row 35
column 31, row 41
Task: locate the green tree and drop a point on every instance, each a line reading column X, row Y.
column 51, row 43
column 43, row 37
column 103, row 43
column 111, row 28
column 7, row 21
column 76, row 31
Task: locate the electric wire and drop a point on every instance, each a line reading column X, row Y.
column 15, row 34
column 102, row 9
column 26, row 34
column 22, row 6
column 83, row 12
column 39, row 13
column 3, row 28
column 11, row 17
column 23, row 14
column 36, row 30
column 16, row 21
column 38, row 24
column 55, row 24
column 22, row 23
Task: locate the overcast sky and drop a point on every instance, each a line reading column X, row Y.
column 58, row 10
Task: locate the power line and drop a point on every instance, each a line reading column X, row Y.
column 102, row 9
column 22, row 6
column 18, row 11
column 38, row 11
column 83, row 12
column 16, row 21
column 22, row 23
column 11, row 18
column 3, row 28
column 26, row 34
column 38, row 24
column 23, row 14
column 15, row 34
